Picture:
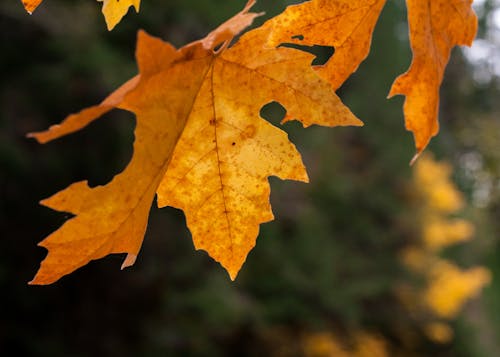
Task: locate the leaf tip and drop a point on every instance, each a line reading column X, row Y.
column 129, row 261
column 358, row 122
column 42, row 278
column 31, row 5
column 36, row 281
column 305, row 178
column 36, row 136
column 111, row 23
column 233, row 274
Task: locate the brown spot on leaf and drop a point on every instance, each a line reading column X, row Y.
column 249, row 132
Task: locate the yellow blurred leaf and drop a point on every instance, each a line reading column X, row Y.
column 440, row 233
column 449, row 287
column 432, row 179
column 361, row 344
column 416, row 259
column 369, row 345
column 323, row 344
column 439, row 332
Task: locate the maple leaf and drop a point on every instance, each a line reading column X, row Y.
column 199, row 144
column 113, row 10
column 436, row 26
column 347, row 25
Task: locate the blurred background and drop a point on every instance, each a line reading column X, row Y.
column 372, row 258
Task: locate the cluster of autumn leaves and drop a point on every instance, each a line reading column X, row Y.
column 447, row 287
column 200, row 144
column 360, row 344
column 435, row 296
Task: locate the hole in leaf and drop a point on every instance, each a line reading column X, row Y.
column 273, row 112
column 322, row 53
column 105, row 147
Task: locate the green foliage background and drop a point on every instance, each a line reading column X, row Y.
column 328, row 262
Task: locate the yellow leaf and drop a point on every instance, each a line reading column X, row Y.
column 416, row 259
column 436, row 26
column 439, row 332
column 323, row 344
column 433, row 180
column 345, row 24
column 449, row 287
column 114, row 10
column 360, row 344
column 440, row 233
column 369, row 345
column 200, row 143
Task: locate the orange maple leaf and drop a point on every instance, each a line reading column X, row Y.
column 347, row 25
column 436, row 26
column 200, row 145
column 113, row 10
